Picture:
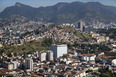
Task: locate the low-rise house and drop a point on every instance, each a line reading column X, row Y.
column 104, row 59
column 8, row 65
column 87, row 57
column 80, row 74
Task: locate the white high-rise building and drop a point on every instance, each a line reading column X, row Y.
column 29, row 64
column 42, row 56
column 59, row 50
column 49, row 55
column 81, row 26
column 15, row 64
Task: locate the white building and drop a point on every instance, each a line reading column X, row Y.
column 81, row 26
column 15, row 64
column 1, row 45
column 42, row 56
column 29, row 64
column 100, row 39
column 59, row 50
column 114, row 62
column 10, row 66
column 81, row 74
column 88, row 57
column 107, row 38
column 49, row 55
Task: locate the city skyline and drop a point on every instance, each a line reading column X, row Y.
column 39, row 3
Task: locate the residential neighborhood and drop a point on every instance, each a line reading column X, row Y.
column 58, row 39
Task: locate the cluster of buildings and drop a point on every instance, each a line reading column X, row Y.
column 18, row 33
column 12, row 36
column 18, row 62
column 90, row 25
column 58, row 61
column 100, row 38
column 22, row 32
column 79, row 26
column 97, row 24
column 48, row 55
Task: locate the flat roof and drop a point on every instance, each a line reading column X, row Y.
column 60, row 45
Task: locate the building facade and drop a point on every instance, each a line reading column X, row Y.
column 29, row 64
column 42, row 56
column 88, row 57
column 49, row 56
column 59, row 50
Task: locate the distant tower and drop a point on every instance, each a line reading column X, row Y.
column 59, row 50
column 83, row 28
column 29, row 64
column 49, row 55
column 80, row 26
column 42, row 56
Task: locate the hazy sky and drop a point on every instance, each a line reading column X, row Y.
column 38, row 3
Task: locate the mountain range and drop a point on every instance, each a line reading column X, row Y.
column 63, row 12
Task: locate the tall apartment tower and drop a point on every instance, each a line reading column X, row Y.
column 80, row 25
column 49, row 55
column 59, row 50
column 29, row 64
column 42, row 56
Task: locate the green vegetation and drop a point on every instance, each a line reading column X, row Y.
column 75, row 59
column 104, row 72
column 83, row 36
column 79, row 35
column 86, row 35
column 47, row 42
column 110, row 32
column 28, row 47
column 68, row 29
column 93, row 48
column 42, row 44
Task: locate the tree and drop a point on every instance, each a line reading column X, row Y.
column 9, row 55
column 47, row 41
